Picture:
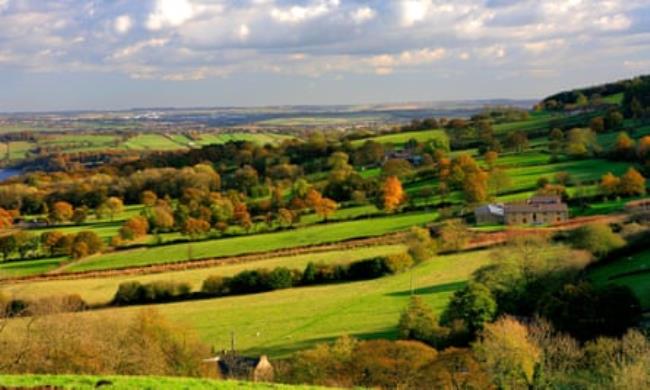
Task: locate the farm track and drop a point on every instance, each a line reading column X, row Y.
column 389, row 239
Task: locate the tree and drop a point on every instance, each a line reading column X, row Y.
column 453, row 235
column 517, row 140
column 614, row 120
column 610, row 184
column 286, row 217
column 397, row 167
column 474, row 305
column 195, row 228
column 6, row 219
column 114, row 206
column 507, row 352
column 148, row 198
column 323, row 207
column 392, row 194
column 25, row 243
column 597, row 238
column 597, row 124
column 644, row 147
column 50, row 239
column 632, row 183
column 80, row 215
column 61, row 212
column 624, row 146
column 491, row 158
column 242, row 216
column 161, row 219
column 498, row 180
column 133, row 228
column 7, row 246
column 86, row 243
column 582, row 142
column 420, row 245
column 418, row 322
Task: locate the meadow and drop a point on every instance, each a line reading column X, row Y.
column 632, row 271
column 102, row 290
column 280, row 322
column 402, row 138
column 311, row 235
column 88, row 382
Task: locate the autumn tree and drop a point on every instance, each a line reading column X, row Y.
column 7, row 246
column 490, row 158
column 86, row 243
column 417, row 322
column 6, row 219
column 50, row 239
column 134, row 228
column 148, row 198
column 194, row 228
column 26, row 243
column 453, row 235
column 114, row 206
column 420, row 245
column 80, row 215
column 286, row 217
column 161, row 219
column 323, row 207
column 632, row 183
column 609, row 184
column 508, row 353
column 61, row 211
column 518, row 141
column 597, row 124
column 242, row 216
column 392, row 194
column 624, row 146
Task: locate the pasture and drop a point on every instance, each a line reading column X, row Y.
column 101, row 290
column 88, row 382
column 402, row 138
column 632, row 271
column 311, row 235
column 280, row 322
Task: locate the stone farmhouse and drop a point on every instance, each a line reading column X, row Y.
column 538, row 210
column 231, row 365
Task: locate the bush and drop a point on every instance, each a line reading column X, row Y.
column 597, row 238
column 215, row 285
column 131, row 293
column 398, row 263
column 278, row 279
column 367, row 269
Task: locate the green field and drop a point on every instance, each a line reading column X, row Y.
column 17, row 149
column 30, row 267
column 280, row 322
column 311, row 235
column 101, row 290
column 258, row 138
column 402, row 138
column 151, row 142
column 87, row 382
column 639, row 282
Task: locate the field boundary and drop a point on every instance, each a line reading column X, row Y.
column 388, row 239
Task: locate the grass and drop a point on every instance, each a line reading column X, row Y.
column 614, row 99
column 17, row 149
column 311, row 235
column 83, row 382
column 101, row 290
column 402, row 138
column 151, row 142
column 611, row 273
column 14, row 269
column 258, row 138
column 281, row 322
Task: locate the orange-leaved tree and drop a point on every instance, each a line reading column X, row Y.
column 393, row 194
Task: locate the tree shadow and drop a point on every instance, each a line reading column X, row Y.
column 438, row 288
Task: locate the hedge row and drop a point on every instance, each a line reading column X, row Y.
column 262, row 280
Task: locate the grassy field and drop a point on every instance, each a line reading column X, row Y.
column 259, row 138
column 17, row 149
column 101, row 290
column 151, row 142
column 83, row 382
column 280, row 322
column 639, row 282
column 31, row 267
column 402, row 138
column 311, row 235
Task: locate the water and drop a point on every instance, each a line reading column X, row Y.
column 7, row 173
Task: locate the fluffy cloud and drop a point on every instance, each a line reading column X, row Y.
column 194, row 39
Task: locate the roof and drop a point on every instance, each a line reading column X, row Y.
column 535, row 207
column 545, row 199
column 494, row 209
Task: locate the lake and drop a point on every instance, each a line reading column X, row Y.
column 7, row 173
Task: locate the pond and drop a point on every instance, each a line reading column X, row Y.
column 7, row 173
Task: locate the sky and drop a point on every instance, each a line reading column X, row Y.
column 117, row 54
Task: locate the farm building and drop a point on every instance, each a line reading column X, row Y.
column 231, row 365
column 490, row 214
column 538, row 210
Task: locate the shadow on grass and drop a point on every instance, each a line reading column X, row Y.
column 438, row 288
column 285, row 350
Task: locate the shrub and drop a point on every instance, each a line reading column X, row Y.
column 597, row 238
column 278, row 279
column 367, row 269
column 214, row 285
column 398, row 262
column 129, row 293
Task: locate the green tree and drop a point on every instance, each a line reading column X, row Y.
column 597, row 238
column 474, row 305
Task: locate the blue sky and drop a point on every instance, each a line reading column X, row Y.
column 73, row 54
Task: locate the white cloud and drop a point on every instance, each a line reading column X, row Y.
column 170, row 13
column 614, row 23
column 138, row 47
column 123, row 24
column 363, row 14
column 386, row 63
column 541, row 47
column 414, row 11
column 297, row 13
column 244, row 32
